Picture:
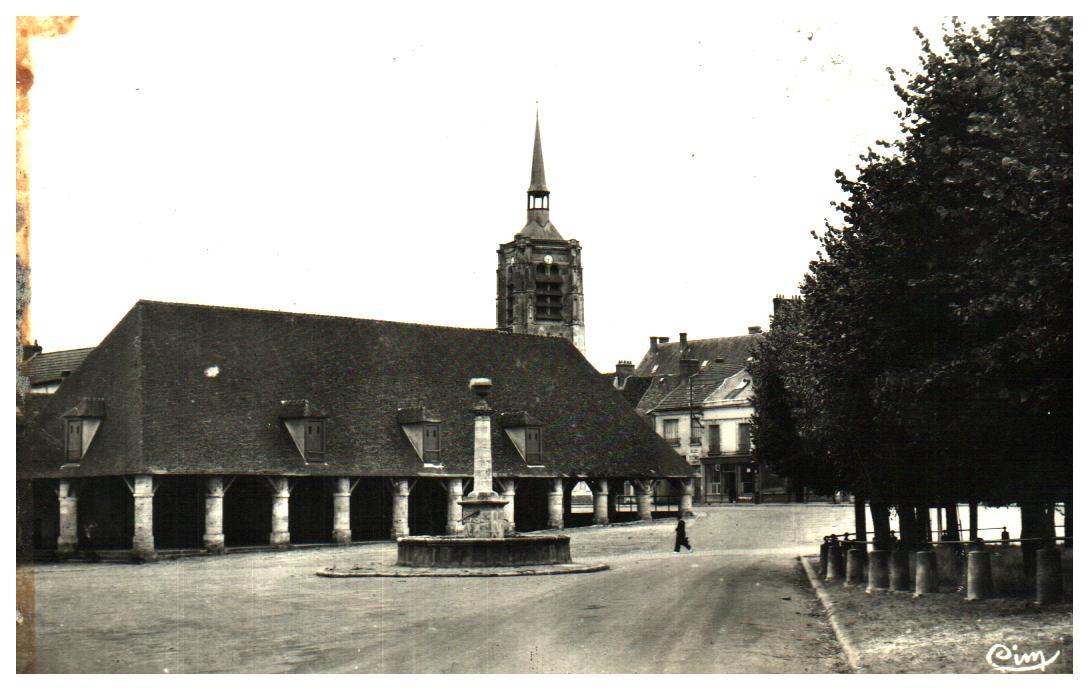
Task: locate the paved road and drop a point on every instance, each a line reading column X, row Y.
column 719, row 610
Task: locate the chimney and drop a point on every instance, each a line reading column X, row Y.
column 753, row 330
column 31, row 350
column 653, row 343
column 684, row 343
column 624, row 369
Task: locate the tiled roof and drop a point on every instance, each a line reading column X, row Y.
column 634, row 388
column 198, row 390
column 703, row 384
column 538, row 229
column 735, row 388
column 732, row 350
column 47, row 366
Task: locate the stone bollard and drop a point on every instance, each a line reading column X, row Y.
column 1049, row 576
column 856, row 566
column 835, row 562
column 879, row 571
column 980, row 582
column 824, row 559
column 899, row 574
column 926, row 573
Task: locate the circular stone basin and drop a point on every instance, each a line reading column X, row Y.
column 457, row 552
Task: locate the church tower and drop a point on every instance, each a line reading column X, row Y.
column 540, row 273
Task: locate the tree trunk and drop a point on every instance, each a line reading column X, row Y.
column 909, row 527
column 923, row 517
column 1033, row 528
column 860, row 518
column 1068, row 523
column 952, row 522
column 880, row 514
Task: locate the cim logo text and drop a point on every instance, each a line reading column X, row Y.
column 1008, row 659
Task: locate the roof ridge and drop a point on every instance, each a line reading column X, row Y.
column 252, row 310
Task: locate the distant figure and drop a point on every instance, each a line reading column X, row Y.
column 682, row 538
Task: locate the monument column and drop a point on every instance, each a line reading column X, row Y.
column 454, row 491
column 281, row 515
column 68, row 533
column 601, row 502
column 215, row 490
column 143, row 533
column 485, row 517
column 555, row 503
column 342, row 511
column 401, row 490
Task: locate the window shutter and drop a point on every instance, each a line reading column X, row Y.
column 431, row 443
column 315, row 439
column 743, row 438
column 533, row 446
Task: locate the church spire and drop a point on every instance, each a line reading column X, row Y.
column 538, row 225
column 537, row 174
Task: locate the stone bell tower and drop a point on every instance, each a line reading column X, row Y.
column 539, row 280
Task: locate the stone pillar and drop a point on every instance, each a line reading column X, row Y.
column 215, row 490
column 856, row 565
column 980, row 582
column 68, row 534
column 601, row 502
column 401, row 490
column 899, row 571
column 143, row 533
column 1049, row 576
column 454, row 492
column 508, row 486
column 644, row 499
column 926, row 573
column 835, row 562
column 281, row 515
column 555, row 503
column 688, row 487
column 342, row 511
column 878, row 579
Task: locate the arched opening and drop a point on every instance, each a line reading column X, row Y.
column 104, row 513
column 46, row 513
column 531, row 505
column 247, row 512
column 178, row 514
column 311, row 511
column 372, row 510
column 427, row 507
column 579, row 505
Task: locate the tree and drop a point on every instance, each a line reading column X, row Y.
column 935, row 363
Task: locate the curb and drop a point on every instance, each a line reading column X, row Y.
column 854, row 659
column 498, row 571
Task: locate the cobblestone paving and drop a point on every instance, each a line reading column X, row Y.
column 727, row 607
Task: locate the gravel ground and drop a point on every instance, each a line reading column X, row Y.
column 943, row 633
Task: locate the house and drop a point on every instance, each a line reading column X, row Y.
column 697, row 395
column 44, row 372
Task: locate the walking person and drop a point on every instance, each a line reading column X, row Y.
column 682, row 537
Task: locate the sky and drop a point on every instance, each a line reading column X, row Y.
column 368, row 163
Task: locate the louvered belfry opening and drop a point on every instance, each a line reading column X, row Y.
column 548, row 291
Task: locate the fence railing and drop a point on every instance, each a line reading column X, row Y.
column 629, row 504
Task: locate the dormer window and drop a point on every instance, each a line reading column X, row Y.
column 533, row 445
column 80, row 425
column 423, row 428
column 306, row 425
column 315, row 440
column 432, row 444
column 73, row 440
column 524, row 431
